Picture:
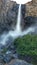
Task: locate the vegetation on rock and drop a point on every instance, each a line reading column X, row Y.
column 27, row 45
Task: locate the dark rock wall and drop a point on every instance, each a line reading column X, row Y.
column 8, row 15
column 12, row 16
column 23, row 11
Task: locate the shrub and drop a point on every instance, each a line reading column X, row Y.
column 27, row 45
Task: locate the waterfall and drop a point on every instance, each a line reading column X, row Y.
column 17, row 32
column 18, row 27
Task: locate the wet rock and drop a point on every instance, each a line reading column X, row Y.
column 9, row 41
column 5, row 54
column 7, row 51
column 27, row 58
column 12, row 50
column 1, row 64
column 21, row 63
column 1, row 48
column 8, row 56
column 1, row 58
column 18, row 62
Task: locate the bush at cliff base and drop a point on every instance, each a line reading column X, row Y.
column 27, row 45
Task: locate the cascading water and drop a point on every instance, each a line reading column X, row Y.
column 17, row 32
column 18, row 27
column 7, row 37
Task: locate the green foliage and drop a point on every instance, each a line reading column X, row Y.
column 27, row 45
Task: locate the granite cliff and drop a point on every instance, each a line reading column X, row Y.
column 8, row 15
column 31, row 8
column 29, row 14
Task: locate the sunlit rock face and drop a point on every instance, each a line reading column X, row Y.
column 31, row 8
column 34, row 2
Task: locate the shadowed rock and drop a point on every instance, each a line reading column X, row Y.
column 18, row 62
column 8, row 15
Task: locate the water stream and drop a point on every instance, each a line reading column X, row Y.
column 18, row 27
column 17, row 32
column 14, row 34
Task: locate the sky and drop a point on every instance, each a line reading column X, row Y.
column 21, row 1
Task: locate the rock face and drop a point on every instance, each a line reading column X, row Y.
column 7, row 51
column 31, row 8
column 5, row 5
column 29, row 14
column 8, row 15
column 34, row 2
column 12, row 16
